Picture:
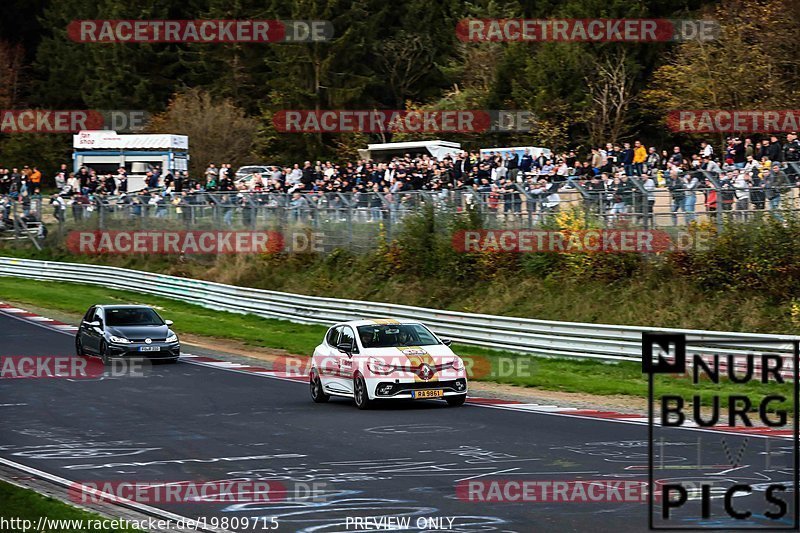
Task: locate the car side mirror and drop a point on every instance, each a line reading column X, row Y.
column 168, row 322
column 345, row 347
column 447, row 342
column 94, row 324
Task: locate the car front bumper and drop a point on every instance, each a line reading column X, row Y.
column 383, row 388
column 166, row 350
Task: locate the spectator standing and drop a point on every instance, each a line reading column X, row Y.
column 526, row 162
column 626, row 159
column 749, row 149
column 773, row 151
column 677, row 157
column 60, row 179
column 775, row 185
column 639, row 158
column 211, row 173
column 690, row 186
column 791, row 155
column 726, row 190
column 741, row 187
column 649, row 185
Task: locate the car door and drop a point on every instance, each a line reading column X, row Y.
column 94, row 334
column 83, row 334
column 328, row 362
column 345, row 361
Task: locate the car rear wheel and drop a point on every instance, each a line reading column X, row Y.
column 317, row 392
column 360, row 393
column 456, row 401
column 104, row 356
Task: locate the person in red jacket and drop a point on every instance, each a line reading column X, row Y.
column 711, row 198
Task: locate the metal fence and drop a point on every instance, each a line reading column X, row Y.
column 541, row 337
column 357, row 220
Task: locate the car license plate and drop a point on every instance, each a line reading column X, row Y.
column 433, row 393
column 149, row 348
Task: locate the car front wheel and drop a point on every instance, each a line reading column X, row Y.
column 360, row 393
column 317, row 393
column 78, row 347
column 104, row 353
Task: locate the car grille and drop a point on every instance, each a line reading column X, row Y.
column 447, row 386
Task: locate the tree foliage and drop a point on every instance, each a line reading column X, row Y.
column 219, row 132
column 389, row 55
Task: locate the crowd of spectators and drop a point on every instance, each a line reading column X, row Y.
column 615, row 178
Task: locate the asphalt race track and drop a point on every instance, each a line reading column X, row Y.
column 188, row 422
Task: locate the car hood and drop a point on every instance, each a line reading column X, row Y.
column 424, row 362
column 140, row 332
column 412, row 354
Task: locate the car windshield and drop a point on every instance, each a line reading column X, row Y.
column 393, row 335
column 133, row 316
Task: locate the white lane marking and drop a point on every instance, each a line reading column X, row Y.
column 542, row 408
column 147, row 509
column 487, row 474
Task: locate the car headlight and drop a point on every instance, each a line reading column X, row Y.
column 379, row 367
column 456, row 364
column 118, row 340
column 172, row 338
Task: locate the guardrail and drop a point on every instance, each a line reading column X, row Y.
column 543, row 337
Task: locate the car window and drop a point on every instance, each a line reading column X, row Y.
column 333, row 336
column 89, row 314
column 396, row 335
column 348, row 337
column 133, row 316
column 98, row 315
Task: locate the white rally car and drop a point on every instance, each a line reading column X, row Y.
column 370, row 360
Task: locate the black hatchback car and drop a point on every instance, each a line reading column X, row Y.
column 110, row 331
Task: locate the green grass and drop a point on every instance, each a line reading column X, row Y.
column 567, row 375
column 24, row 504
column 188, row 318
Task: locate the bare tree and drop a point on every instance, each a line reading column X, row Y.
column 218, row 131
column 405, row 59
column 611, row 90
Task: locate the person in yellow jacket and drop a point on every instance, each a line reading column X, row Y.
column 639, row 157
column 36, row 178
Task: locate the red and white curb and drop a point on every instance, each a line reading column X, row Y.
column 511, row 405
column 27, row 315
